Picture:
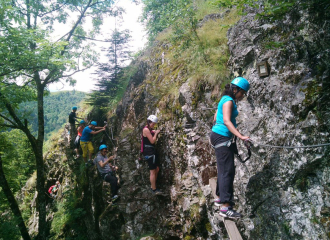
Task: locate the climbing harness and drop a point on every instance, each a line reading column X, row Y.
column 104, row 175
column 233, row 145
column 150, row 156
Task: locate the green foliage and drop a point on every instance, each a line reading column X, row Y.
column 180, row 15
column 8, row 230
column 272, row 45
column 68, row 216
column 57, row 107
column 161, row 14
column 272, row 9
column 17, row 157
column 18, row 166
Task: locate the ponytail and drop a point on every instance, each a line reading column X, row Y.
column 228, row 91
column 148, row 124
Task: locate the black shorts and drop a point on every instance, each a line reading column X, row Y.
column 152, row 161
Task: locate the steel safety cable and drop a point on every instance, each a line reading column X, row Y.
column 291, row 147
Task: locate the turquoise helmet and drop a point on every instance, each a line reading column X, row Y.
column 82, row 121
column 94, row 123
column 103, row 146
column 241, row 83
column 74, row 108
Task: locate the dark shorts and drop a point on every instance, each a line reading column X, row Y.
column 152, row 161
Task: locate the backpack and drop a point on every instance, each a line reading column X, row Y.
column 51, row 189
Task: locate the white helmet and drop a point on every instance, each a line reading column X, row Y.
column 153, row 118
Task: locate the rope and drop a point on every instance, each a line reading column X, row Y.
column 288, row 147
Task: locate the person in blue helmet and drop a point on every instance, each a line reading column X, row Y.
column 107, row 170
column 85, row 141
column 222, row 133
column 72, row 120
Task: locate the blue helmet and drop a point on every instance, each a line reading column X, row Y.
column 82, row 121
column 94, row 123
column 74, row 108
column 241, row 83
column 103, row 146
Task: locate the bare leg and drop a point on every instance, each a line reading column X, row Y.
column 153, row 178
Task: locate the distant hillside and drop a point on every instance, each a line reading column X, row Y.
column 57, row 108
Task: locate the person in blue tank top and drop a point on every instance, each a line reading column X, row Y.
column 222, row 133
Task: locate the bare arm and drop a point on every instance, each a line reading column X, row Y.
column 226, row 110
column 96, row 132
column 152, row 139
column 102, row 164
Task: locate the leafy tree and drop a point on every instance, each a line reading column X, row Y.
column 32, row 59
column 110, row 74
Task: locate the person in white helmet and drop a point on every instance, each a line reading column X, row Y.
column 149, row 137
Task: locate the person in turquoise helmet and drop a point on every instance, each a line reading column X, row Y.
column 73, row 118
column 222, row 133
column 107, row 170
column 85, row 141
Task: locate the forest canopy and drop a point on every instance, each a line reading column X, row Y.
column 57, row 106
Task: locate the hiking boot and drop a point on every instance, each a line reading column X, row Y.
column 229, row 213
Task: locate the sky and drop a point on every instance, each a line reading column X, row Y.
column 86, row 80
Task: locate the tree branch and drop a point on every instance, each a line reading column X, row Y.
column 10, row 126
column 82, row 15
column 69, row 75
column 53, row 10
column 93, row 39
column 9, row 120
column 18, row 122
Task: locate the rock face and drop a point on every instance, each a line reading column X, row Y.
column 282, row 193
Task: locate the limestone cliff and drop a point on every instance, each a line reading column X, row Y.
column 282, row 193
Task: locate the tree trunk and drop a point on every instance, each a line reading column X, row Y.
column 41, row 198
column 13, row 204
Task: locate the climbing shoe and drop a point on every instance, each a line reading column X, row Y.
column 217, row 202
column 89, row 163
column 229, row 213
column 156, row 191
column 114, row 198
